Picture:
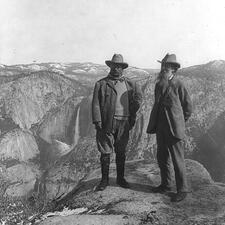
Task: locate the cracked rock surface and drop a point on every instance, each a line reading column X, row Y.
column 205, row 204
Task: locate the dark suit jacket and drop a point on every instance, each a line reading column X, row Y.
column 104, row 100
column 177, row 106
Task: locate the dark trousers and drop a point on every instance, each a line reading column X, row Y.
column 171, row 149
column 116, row 140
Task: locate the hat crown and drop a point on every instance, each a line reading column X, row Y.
column 170, row 58
column 117, row 58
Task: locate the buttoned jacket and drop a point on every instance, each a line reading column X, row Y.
column 104, row 100
column 177, row 107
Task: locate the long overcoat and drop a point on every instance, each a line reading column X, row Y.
column 177, row 106
column 104, row 100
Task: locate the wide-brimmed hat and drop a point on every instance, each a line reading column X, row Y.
column 170, row 59
column 116, row 59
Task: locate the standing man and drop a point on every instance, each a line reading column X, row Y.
column 116, row 99
column 172, row 108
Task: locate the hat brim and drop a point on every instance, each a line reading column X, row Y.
column 109, row 63
column 174, row 63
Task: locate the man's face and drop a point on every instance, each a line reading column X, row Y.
column 116, row 70
column 167, row 71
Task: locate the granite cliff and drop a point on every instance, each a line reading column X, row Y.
column 37, row 111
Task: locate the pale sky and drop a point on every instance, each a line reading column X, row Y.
column 93, row 30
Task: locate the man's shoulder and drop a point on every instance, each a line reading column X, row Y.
column 102, row 80
column 177, row 82
column 130, row 81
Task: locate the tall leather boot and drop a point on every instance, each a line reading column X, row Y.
column 120, row 162
column 105, row 161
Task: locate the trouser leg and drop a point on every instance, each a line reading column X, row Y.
column 177, row 155
column 120, row 164
column 105, row 162
column 121, row 140
column 164, row 161
column 105, row 146
column 120, row 167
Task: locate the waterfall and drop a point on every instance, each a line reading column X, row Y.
column 77, row 128
column 63, row 148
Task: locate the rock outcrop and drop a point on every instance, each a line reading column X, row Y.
column 21, row 179
column 204, row 205
column 19, row 155
column 18, row 145
column 28, row 99
column 67, row 172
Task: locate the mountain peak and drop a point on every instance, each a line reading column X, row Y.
column 210, row 69
column 216, row 64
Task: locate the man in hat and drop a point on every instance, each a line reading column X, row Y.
column 116, row 99
column 172, row 108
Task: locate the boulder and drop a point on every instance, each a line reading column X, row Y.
column 20, row 179
column 18, row 145
column 68, row 170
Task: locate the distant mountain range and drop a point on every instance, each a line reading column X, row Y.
column 85, row 73
column 46, row 132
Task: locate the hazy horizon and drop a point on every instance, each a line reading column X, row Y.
column 103, row 64
column 92, row 31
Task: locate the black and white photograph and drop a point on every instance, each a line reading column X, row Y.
column 112, row 112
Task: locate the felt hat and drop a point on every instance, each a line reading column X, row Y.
column 116, row 59
column 170, row 59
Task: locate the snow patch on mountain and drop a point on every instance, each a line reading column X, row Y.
column 58, row 65
column 93, row 70
column 36, row 67
column 79, row 71
column 58, row 71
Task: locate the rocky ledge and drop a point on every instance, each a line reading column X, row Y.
column 204, row 205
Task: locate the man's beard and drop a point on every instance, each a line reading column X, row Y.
column 162, row 81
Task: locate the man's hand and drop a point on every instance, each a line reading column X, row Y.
column 98, row 125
